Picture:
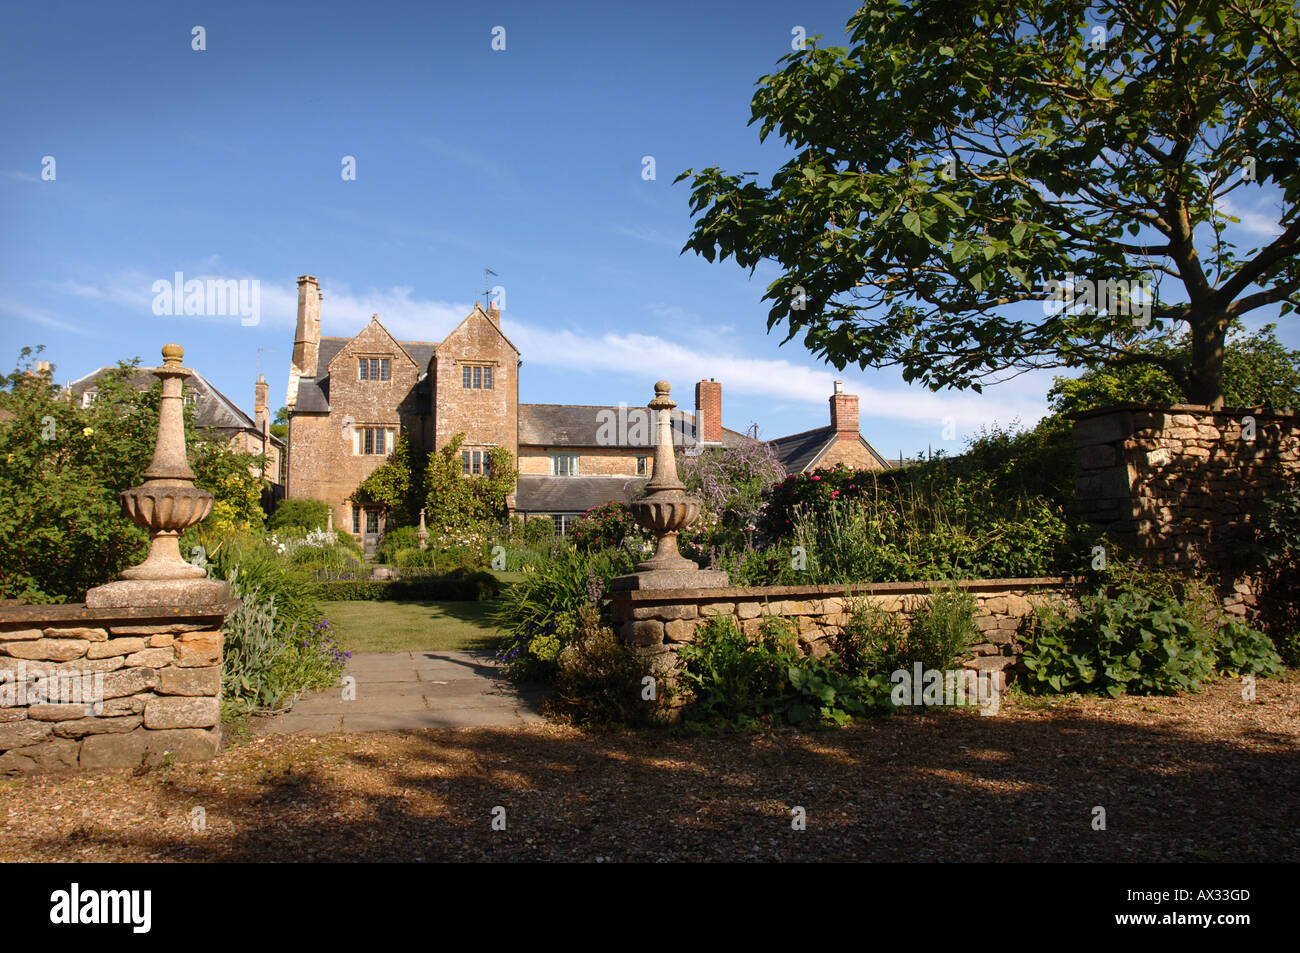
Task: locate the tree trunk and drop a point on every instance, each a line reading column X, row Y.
column 1205, row 380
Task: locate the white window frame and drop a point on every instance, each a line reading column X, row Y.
column 359, row 440
column 573, row 467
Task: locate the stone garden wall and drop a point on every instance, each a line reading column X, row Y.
column 1176, row 484
column 108, row 688
column 659, row 621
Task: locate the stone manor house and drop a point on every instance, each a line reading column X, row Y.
column 350, row 398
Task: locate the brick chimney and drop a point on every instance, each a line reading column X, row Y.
column 261, row 413
column 844, row 410
column 708, row 411
column 306, row 343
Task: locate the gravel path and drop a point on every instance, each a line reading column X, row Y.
column 1202, row 777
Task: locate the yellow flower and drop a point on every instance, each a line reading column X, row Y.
column 87, row 431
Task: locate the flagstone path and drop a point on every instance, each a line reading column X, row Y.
column 417, row 689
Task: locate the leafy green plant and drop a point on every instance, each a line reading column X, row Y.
column 1242, row 650
column 734, row 680
column 1272, row 553
column 540, row 612
column 938, row 634
column 300, row 512
column 599, row 678
column 1136, row 636
column 267, row 662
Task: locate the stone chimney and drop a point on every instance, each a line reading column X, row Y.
column 844, row 410
column 494, row 314
column 261, row 413
column 708, row 411
column 306, row 343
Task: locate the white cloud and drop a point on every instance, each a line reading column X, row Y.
column 19, row 176
column 692, row 350
column 40, row 316
column 650, row 236
column 651, row 357
column 1255, row 220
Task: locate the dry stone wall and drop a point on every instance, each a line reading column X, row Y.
column 1176, row 485
column 660, row 621
column 94, row 689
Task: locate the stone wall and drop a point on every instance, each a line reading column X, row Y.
column 108, row 688
column 659, row 621
column 616, row 461
column 1175, row 485
column 487, row 418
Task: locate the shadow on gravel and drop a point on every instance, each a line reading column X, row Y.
column 947, row 786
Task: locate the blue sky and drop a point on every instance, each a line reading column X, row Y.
column 226, row 163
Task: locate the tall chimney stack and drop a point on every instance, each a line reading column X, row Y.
column 844, row 410
column 494, row 314
column 306, row 343
column 261, row 412
column 708, row 411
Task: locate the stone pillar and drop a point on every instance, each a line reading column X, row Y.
column 135, row 672
column 665, row 511
column 423, row 534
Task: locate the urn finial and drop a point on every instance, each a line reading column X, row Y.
column 166, row 504
column 667, row 509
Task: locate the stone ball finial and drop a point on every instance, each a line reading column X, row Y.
column 172, row 354
column 662, row 388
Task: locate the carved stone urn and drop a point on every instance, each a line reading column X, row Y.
column 667, row 508
column 166, row 504
column 423, row 534
column 665, row 511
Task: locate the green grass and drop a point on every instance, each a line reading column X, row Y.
column 399, row 626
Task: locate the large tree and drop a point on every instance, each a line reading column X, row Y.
column 963, row 155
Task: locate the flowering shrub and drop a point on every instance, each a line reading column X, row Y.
column 731, row 482
column 540, row 612
column 603, row 527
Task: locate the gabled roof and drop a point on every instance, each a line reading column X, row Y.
column 551, row 494
column 801, row 451
column 578, row 425
column 314, row 395
column 496, row 324
column 213, row 409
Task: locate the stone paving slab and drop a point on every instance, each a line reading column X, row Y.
column 404, row 690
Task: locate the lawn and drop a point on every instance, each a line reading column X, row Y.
column 395, row 626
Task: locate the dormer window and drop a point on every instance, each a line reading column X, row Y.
column 476, row 376
column 88, row 397
column 372, row 369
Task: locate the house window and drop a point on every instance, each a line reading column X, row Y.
column 373, row 440
column 372, row 521
column 88, row 397
column 356, row 519
column 564, row 464
column 475, row 462
column 563, row 522
column 643, row 466
column 476, row 377
column 372, row 368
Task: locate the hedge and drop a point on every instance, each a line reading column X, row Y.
column 457, row 585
